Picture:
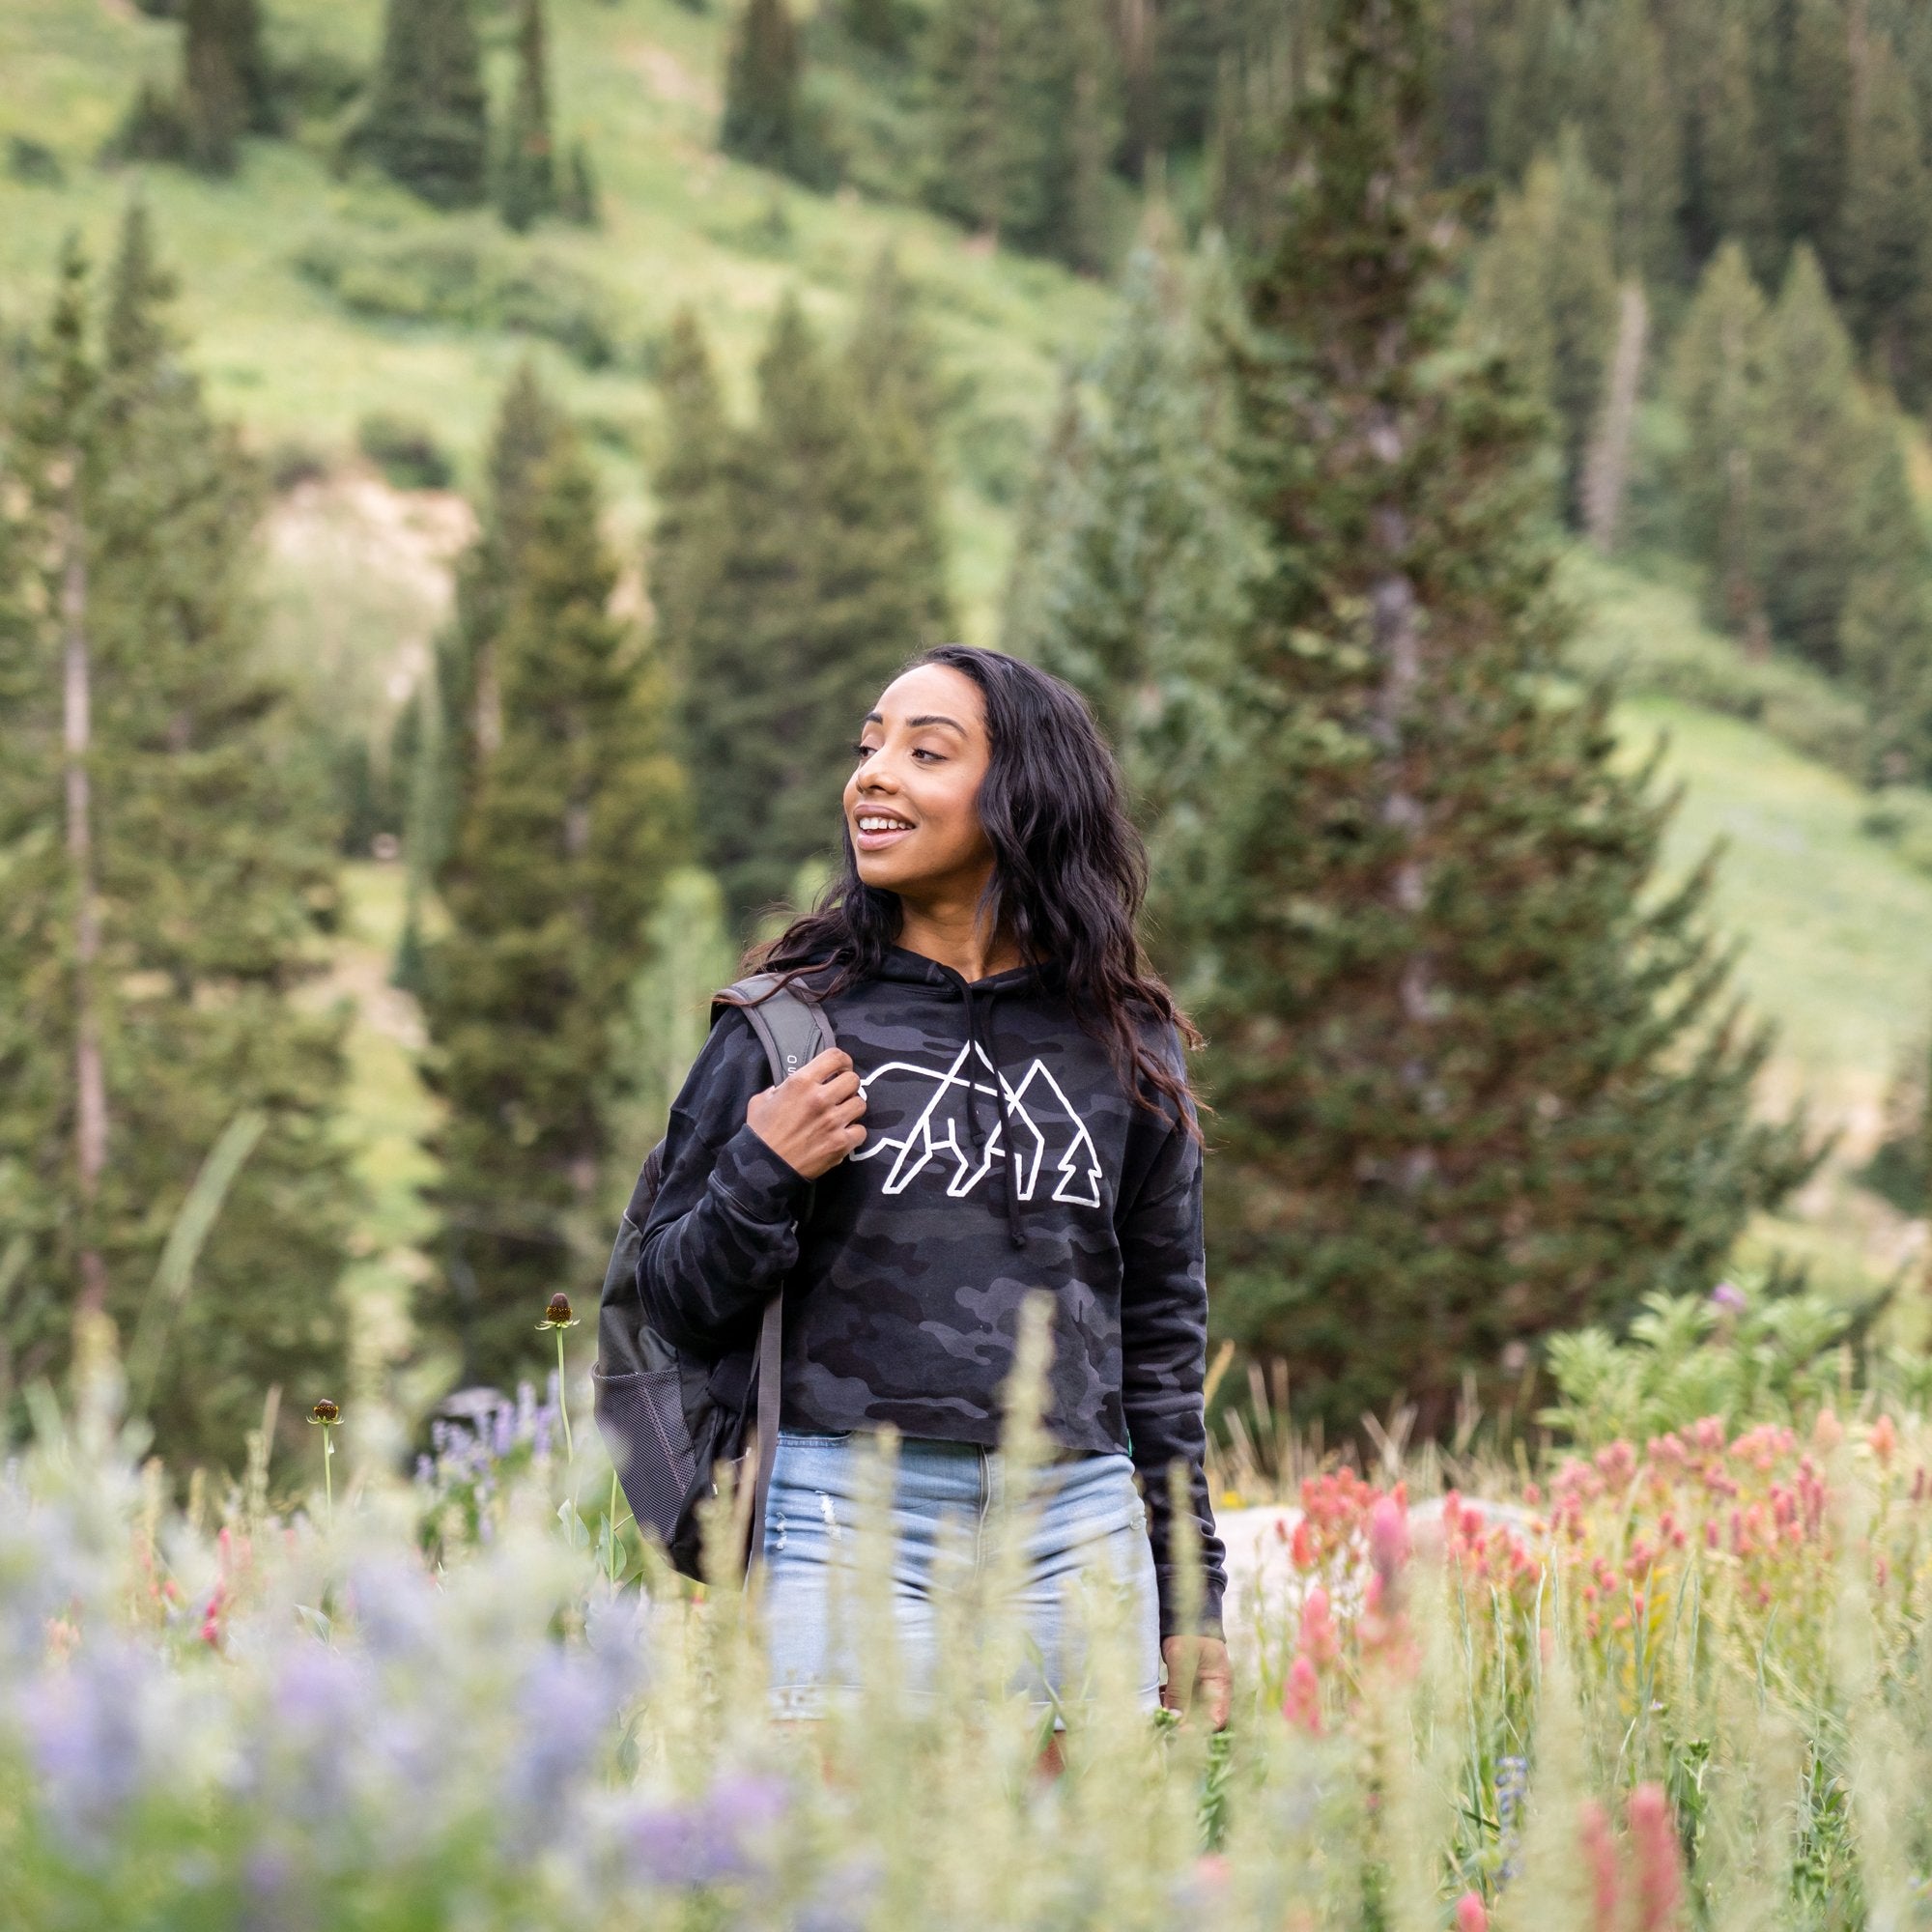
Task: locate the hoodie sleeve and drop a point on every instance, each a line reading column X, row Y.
column 723, row 1234
column 1164, row 1355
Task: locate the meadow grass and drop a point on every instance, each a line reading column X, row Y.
column 1680, row 1683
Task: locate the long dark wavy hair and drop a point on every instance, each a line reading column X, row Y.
column 1069, row 874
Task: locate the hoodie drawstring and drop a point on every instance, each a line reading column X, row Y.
column 989, row 1049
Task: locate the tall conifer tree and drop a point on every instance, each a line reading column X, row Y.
column 1632, row 128
column 527, row 186
column 1716, row 372
column 1885, row 629
column 692, row 524
column 1884, row 250
column 1810, row 448
column 1812, row 119
column 1472, row 1079
column 208, row 856
column 1729, row 190
column 456, row 718
column 762, row 82
column 225, row 85
column 426, row 124
column 568, row 826
column 987, row 64
column 828, row 578
column 1134, row 566
column 1536, row 89
column 1544, row 292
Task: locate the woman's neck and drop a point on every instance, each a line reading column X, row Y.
column 958, row 934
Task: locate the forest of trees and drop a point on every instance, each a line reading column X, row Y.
column 1414, row 297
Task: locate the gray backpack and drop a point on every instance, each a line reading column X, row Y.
column 669, row 1418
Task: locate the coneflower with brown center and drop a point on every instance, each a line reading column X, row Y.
column 557, row 1316
column 328, row 1415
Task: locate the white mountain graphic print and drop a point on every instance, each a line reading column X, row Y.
column 938, row 1131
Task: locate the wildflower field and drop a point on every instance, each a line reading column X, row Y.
column 1667, row 1679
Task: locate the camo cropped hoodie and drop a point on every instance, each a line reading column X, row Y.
column 1002, row 1154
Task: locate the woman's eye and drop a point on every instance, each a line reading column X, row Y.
column 922, row 752
column 860, row 749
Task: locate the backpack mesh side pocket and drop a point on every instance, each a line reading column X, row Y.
column 642, row 1417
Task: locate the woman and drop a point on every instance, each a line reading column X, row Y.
column 1006, row 1110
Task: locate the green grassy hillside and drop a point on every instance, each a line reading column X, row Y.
column 1834, row 928
column 637, row 82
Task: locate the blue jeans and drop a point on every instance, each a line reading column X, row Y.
column 1086, row 1511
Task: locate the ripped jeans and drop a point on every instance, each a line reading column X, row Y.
column 1087, row 1511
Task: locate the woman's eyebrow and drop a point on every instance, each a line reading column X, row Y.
column 925, row 718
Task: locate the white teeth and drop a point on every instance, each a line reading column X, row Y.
column 883, row 825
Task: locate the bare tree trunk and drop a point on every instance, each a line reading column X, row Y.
column 90, row 1082
column 1399, row 646
column 1606, row 468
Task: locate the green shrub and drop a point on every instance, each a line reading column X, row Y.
column 1744, row 1353
column 1901, row 816
column 406, row 451
column 154, row 129
column 465, row 283
column 33, row 164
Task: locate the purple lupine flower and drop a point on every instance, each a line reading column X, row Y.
column 1728, row 1295
column 84, row 1727
column 841, row 1901
column 393, row 1604
column 1512, row 1783
column 706, row 1840
column 564, row 1714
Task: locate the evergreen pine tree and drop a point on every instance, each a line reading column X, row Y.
column 1885, row 629
column 1632, row 129
column 1472, row 1078
column 692, row 527
column 1545, row 293
column 891, row 352
column 828, row 578
column 985, row 74
column 761, row 80
column 1132, row 575
column 879, row 24
column 455, row 718
column 219, row 39
column 567, row 830
column 1810, row 446
column 577, row 200
column 1729, row 190
column 1086, row 122
column 1715, row 375
column 427, row 121
column 1885, row 248
column 1813, row 119
column 527, row 186
column 1535, row 58
column 208, row 859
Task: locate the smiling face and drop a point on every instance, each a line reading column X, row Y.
column 912, row 801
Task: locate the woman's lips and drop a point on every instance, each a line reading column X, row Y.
column 881, row 840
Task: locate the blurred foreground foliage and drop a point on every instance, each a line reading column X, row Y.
column 1664, row 1685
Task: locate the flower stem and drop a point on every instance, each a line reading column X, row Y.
column 329, row 1477
column 614, row 1529
column 563, row 1403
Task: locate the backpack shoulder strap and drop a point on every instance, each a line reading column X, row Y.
column 792, row 1028
column 790, row 1024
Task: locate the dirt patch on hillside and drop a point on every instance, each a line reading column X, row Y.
column 668, row 79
